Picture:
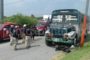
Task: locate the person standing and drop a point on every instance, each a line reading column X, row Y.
column 27, row 37
column 23, row 32
column 12, row 27
column 33, row 32
column 16, row 34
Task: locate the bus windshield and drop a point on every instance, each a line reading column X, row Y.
column 57, row 18
column 64, row 17
column 71, row 17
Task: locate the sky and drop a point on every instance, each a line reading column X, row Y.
column 40, row 7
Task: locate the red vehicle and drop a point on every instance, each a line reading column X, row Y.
column 41, row 27
column 4, row 35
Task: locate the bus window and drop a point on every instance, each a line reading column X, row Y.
column 71, row 17
column 69, row 30
column 57, row 18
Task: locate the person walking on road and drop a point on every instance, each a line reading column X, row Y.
column 33, row 32
column 16, row 34
column 27, row 37
column 12, row 27
column 23, row 33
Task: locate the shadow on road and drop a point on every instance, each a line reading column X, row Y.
column 23, row 48
column 35, row 46
column 4, row 41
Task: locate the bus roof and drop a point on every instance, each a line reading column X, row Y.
column 65, row 11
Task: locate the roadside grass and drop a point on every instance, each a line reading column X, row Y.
column 79, row 53
column 58, row 56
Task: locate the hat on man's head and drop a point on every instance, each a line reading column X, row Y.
column 16, row 26
column 24, row 25
column 12, row 25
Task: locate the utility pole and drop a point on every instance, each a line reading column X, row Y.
column 86, row 13
column 87, row 7
column 1, row 10
column 85, row 24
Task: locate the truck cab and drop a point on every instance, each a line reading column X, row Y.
column 62, row 36
column 65, row 27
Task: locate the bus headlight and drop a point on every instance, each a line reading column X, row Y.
column 66, row 36
column 49, row 35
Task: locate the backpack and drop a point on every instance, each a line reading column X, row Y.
column 16, row 33
column 28, row 32
column 24, row 30
column 11, row 30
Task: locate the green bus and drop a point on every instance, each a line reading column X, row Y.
column 65, row 27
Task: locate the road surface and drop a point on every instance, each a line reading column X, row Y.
column 38, row 51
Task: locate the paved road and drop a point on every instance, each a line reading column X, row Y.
column 38, row 51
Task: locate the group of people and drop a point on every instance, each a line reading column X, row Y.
column 17, row 32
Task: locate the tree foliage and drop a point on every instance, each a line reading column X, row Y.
column 21, row 19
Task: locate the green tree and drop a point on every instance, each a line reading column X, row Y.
column 21, row 19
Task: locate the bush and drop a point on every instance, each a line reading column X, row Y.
column 21, row 19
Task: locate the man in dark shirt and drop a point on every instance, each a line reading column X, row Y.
column 12, row 27
column 33, row 32
column 16, row 33
column 27, row 33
